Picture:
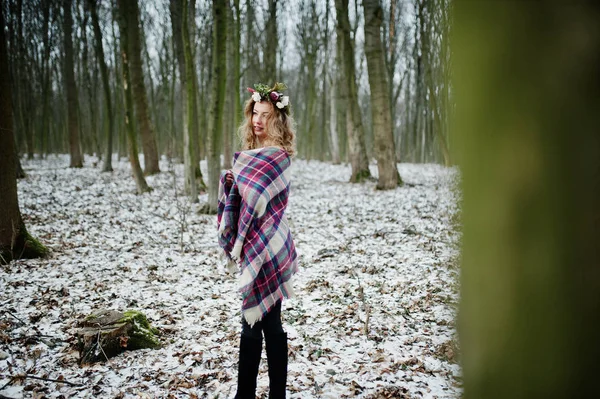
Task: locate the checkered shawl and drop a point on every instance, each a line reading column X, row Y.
column 253, row 230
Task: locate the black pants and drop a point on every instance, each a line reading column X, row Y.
column 270, row 324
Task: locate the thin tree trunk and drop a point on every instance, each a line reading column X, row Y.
column 356, row 136
column 89, row 87
column 236, row 40
column 108, row 126
column 269, row 68
column 383, row 132
column 176, row 11
column 529, row 151
column 341, row 94
column 333, row 133
column 71, row 89
column 45, row 132
column 219, row 81
column 190, row 136
column 228, row 123
column 136, row 169
column 142, row 112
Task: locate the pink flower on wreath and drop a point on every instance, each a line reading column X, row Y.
column 274, row 96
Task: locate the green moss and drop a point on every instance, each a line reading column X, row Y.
column 143, row 335
column 25, row 247
column 32, row 247
column 361, row 176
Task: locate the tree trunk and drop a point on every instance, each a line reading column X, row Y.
column 108, row 126
column 269, row 68
column 383, row 132
column 71, row 89
column 356, row 136
column 22, row 81
column 341, row 94
column 236, row 40
column 333, row 116
column 219, row 80
column 15, row 241
column 529, row 150
column 176, row 11
column 190, row 135
column 228, row 123
column 132, row 147
column 88, row 77
column 45, row 131
column 142, row 112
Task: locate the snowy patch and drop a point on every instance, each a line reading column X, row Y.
column 376, row 291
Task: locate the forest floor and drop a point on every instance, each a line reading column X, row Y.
column 374, row 315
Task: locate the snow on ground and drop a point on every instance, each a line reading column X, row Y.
column 376, row 291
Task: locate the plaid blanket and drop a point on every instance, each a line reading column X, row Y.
column 253, row 230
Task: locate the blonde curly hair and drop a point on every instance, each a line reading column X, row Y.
column 280, row 128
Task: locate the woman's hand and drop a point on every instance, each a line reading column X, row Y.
column 229, row 178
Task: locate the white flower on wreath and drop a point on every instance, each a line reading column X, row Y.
column 256, row 97
column 280, row 105
column 285, row 100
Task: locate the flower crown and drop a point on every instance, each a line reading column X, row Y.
column 273, row 94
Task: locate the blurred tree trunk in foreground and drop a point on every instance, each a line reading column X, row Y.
column 527, row 84
column 15, row 242
column 383, row 131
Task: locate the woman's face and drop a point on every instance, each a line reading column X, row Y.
column 260, row 113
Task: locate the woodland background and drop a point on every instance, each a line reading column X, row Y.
column 84, row 72
column 506, row 89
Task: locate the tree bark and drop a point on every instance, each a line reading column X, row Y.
column 45, row 131
column 228, row 123
column 108, row 128
column 217, row 99
column 269, row 70
column 529, row 151
column 15, row 241
column 383, row 132
column 237, row 59
column 341, row 94
column 357, row 152
column 190, row 136
column 142, row 112
column 132, row 147
column 71, row 89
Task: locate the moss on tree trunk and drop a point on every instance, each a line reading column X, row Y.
column 23, row 246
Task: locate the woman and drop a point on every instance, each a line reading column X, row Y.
column 254, row 233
